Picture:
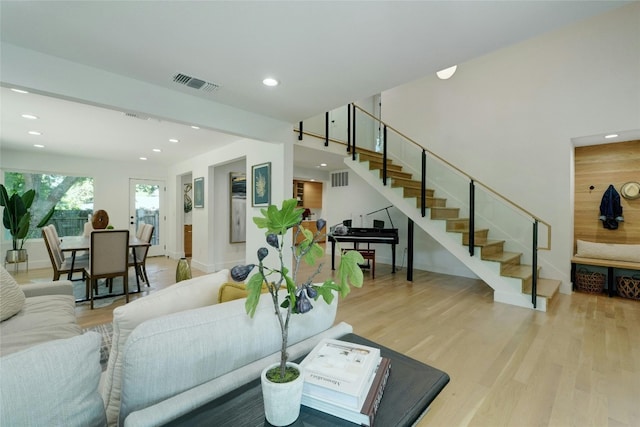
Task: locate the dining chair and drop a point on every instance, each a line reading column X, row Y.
column 141, row 254
column 108, row 259
column 59, row 264
column 141, row 227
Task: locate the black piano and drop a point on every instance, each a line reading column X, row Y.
column 356, row 236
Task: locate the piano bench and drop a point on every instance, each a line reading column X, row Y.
column 370, row 256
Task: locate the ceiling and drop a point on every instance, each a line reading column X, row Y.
column 325, row 55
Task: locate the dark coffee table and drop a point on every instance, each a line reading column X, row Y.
column 411, row 388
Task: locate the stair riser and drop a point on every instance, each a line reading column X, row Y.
column 493, row 249
column 445, row 213
column 432, row 202
column 395, row 174
column 415, row 192
column 457, row 225
column 374, row 164
column 480, row 237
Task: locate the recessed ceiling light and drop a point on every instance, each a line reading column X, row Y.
column 270, row 81
column 34, row 132
column 143, row 158
column 38, row 145
column 324, row 165
column 19, row 90
column 447, row 72
column 613, row 135
column 195, row 127
column 174, row 140
column 157, row 150
column 29, row 116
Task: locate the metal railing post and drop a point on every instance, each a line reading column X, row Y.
column 472, row 214
column 384, row 155
column 423, row 186
column 326, row 129
column 348, row 128
column 300, row 131
column 353, row 144
column 534, row 277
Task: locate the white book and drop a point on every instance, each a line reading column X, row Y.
column 340, row 372
column 364, row 415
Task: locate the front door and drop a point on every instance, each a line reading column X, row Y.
column 146, row 205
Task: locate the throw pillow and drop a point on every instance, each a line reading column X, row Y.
column 613, row 251
column 186, row 295
column 11, row 296
column 231, row 291
column 53, row 384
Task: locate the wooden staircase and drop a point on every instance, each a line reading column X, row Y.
column 489, row 251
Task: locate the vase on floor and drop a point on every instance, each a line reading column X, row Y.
column 183, row 270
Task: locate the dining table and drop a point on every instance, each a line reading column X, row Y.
column 75, row 244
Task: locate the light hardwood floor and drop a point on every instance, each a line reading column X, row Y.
column 576, row 365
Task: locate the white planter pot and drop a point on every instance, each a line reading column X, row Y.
column 282, row 400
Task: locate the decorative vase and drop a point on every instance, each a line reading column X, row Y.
column 282, row 400
column 183, row 270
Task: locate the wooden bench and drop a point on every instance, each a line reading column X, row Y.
column 608, row 263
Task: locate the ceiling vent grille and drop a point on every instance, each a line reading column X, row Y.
column 136, row 116
column 195, row 83
column 340, row 179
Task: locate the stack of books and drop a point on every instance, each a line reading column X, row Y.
column 345, row 380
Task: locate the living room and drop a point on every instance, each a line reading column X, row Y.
column 524, row 105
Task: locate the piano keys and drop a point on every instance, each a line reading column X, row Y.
column 356, row 236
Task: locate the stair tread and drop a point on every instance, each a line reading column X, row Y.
column 519, row 271
column 545, row 288
column 503, row 256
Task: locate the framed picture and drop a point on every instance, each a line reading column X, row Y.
column 238, row 207
column 198, row 192
column 261, row 184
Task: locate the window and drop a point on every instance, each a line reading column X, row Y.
column 71, row 195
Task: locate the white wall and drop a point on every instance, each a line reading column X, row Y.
column 211, row 248
column 507, row 118
column 111, row 187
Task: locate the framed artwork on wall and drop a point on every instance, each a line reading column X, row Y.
column 261, row 184
column 238, row 207
column 198, row 192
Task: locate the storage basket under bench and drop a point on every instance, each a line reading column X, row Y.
column 627, row 286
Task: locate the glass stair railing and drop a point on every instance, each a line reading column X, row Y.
column 500, row 229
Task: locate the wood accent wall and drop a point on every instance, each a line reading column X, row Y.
column 599, row 166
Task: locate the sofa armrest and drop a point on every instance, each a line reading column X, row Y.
column 60, row 287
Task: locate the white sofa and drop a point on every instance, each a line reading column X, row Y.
column 163, row 365
column 172, row 351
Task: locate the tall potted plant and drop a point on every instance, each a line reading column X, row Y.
column 16, row 218
column 296, row 299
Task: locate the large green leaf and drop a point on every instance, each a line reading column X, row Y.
column 47, row 217
column 254, row 289
column 278, row 221
column 349, row 271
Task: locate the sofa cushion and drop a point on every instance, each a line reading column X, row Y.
column 193, row 293
column 232, row 291
column 42, row 319
column 55, row 383
column 11, row 296
column 612, row 251
column 200, row 345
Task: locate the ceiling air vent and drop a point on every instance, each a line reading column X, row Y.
column 136, row 116
column 195, row 83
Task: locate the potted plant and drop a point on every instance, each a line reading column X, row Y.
column 296, row 299
column 16, row 218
